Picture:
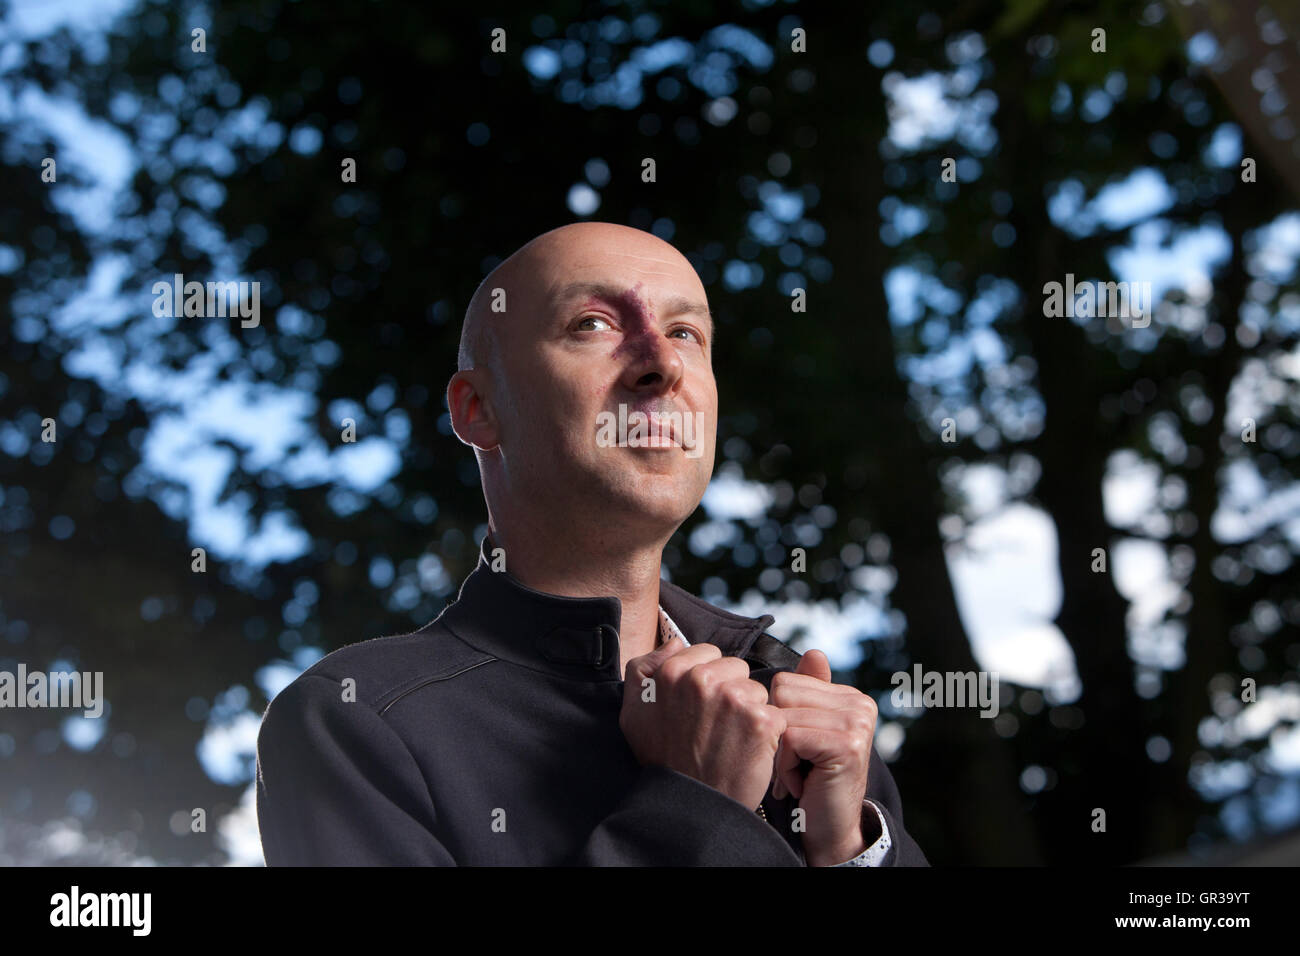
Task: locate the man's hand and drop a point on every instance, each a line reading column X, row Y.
column 708, row 719
column 832, row 726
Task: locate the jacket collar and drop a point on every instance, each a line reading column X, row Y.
column 576, row 637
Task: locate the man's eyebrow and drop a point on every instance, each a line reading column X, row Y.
column 677, row 305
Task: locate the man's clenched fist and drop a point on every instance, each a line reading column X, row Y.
column 832, row 726
column 708, row 719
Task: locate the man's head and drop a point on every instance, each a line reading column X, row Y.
column 577, row 322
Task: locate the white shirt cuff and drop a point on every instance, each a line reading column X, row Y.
column 875, row 854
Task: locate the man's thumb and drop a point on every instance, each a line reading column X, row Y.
column 815, row 664
column 647, row 664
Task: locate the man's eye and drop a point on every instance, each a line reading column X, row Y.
column 691, row 331
column 590, row 318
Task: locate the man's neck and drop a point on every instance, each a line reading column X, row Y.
column 572, row 564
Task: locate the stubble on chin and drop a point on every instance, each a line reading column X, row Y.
column 639, row 493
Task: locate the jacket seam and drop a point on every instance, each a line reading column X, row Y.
column 449, row 670
column 434, row 680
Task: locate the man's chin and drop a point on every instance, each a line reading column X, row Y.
column 671, row 464
column 646, row 496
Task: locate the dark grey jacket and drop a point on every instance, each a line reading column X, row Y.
column 490, row 736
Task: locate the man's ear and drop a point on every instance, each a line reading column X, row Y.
column 472, row 418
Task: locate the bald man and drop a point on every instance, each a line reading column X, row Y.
column 571, row 707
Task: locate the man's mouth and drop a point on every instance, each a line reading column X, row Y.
column 650, row 428
column 662, row 432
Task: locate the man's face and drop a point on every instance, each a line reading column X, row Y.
column 600, row 317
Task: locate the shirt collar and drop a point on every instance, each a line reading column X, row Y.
column 577, row 637
column 668, row 628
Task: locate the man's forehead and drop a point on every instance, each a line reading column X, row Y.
column 568, row 289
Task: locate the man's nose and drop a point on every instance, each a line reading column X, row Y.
column 652, row 361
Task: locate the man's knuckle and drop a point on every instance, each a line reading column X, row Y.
column 703, row 675
column 756, row 718
column 734, row 695
column 671, row 669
